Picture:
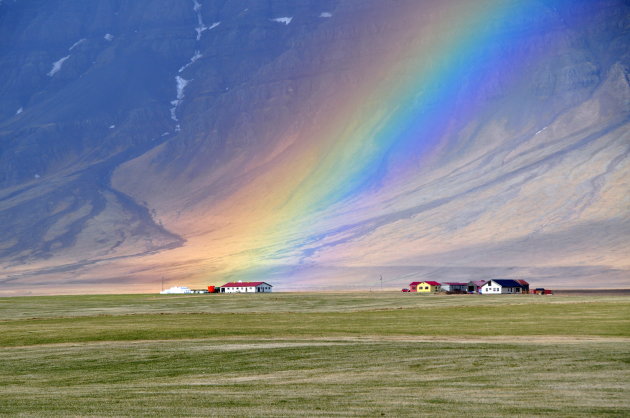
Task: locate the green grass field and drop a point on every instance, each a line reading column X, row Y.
column 338, row 354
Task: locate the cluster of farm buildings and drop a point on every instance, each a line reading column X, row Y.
column 232, row 287
column 484, row 287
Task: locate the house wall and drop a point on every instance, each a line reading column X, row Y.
column 250, row 289
column 454, row 288
column 422, row 288
column 240, row 289
column 491, row 288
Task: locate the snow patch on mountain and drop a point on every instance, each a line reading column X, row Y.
column 191, row 62
column 77, row 43
column 201, row 27
column 181, row 84
column 20, row 110
column 325, row 14
column 57, row 66
column 108, row 37
column 286, row 20
column 173, row 111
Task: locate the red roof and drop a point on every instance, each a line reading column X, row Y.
column 523, row 282
column 479, row 282
column 244, row 284
column 432, row 283
column 414, row 283
column 456, row 284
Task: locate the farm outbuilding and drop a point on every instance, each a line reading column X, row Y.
column 245, row 287
column 455, row 287
column 176, row 290
column 525, row 286
column 474, row 286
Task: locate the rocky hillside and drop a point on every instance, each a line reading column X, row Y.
column 312, row 144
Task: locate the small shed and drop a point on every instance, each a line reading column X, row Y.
column 474, row 286
column 524, row 285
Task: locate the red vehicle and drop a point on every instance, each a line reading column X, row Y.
column 405, row 290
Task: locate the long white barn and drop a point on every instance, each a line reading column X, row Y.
column 245, row 287
column 176, row 290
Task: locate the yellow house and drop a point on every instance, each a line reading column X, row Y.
column 428, row 287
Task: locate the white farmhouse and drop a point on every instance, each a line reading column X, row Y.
column 245, row 287
column 501, row 286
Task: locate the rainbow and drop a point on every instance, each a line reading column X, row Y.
column 388, row 128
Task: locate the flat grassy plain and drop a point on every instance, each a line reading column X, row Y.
column 315, row 354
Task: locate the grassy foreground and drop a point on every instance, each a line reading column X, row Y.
column 367, row 354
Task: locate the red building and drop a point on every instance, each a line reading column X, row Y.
column 413, row 287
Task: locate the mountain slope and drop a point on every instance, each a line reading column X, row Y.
column 315, row 144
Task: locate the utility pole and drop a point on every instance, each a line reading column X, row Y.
column 162, row 283
column 381, row 282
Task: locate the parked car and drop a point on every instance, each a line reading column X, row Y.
column 405, row 290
